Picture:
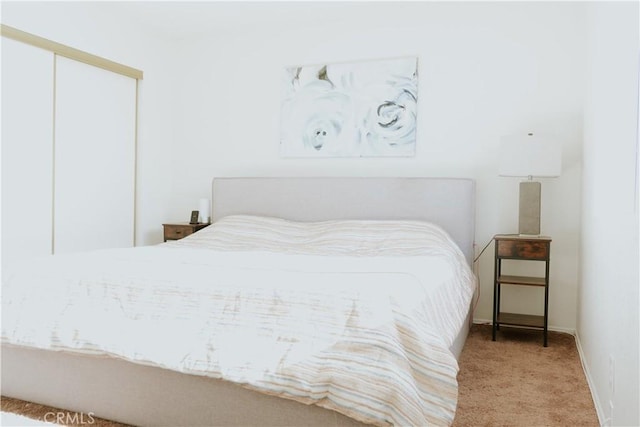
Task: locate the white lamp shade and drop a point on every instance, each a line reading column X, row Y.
column 530, row 155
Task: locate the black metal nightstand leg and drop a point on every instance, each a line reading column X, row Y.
column 498, row 305
column 546, row 301
column 496, row 296
column 495, row 319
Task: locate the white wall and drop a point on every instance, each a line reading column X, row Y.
column 608, row 299
column 94, row 28
column 486, row 70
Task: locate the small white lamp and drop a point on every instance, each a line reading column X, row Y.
column 204, row 215
column 530, row 156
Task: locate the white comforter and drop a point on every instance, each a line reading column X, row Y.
column 354, row 316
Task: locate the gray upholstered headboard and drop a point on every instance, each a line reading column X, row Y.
column 448, row 202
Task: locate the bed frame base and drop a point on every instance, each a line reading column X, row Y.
column 143, row 395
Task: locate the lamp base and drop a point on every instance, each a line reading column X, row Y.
column 529, row 215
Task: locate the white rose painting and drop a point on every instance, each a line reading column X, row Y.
column 359, row 109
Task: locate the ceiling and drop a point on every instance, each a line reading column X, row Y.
column 180, row 19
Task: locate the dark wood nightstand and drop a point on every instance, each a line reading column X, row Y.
column 179, row 230
column 515, row 247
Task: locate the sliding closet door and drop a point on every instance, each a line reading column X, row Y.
column 27, row 151
column 94, row 158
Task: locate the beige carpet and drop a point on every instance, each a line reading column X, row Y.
column 514, row 381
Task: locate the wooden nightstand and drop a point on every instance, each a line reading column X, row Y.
column 179, row 230
column 514, row 247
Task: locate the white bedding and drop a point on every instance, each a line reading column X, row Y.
column 354, row 316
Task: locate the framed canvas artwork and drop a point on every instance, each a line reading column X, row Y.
column 357, row 109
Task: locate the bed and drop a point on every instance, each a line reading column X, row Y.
column 136, row 388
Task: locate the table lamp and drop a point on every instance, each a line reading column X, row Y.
column 204, row 211
column 529, row 156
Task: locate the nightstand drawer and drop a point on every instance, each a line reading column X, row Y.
column 175, row 232
column 523, row 249
column 178, row 231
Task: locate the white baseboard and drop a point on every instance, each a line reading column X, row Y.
column 602, row 418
